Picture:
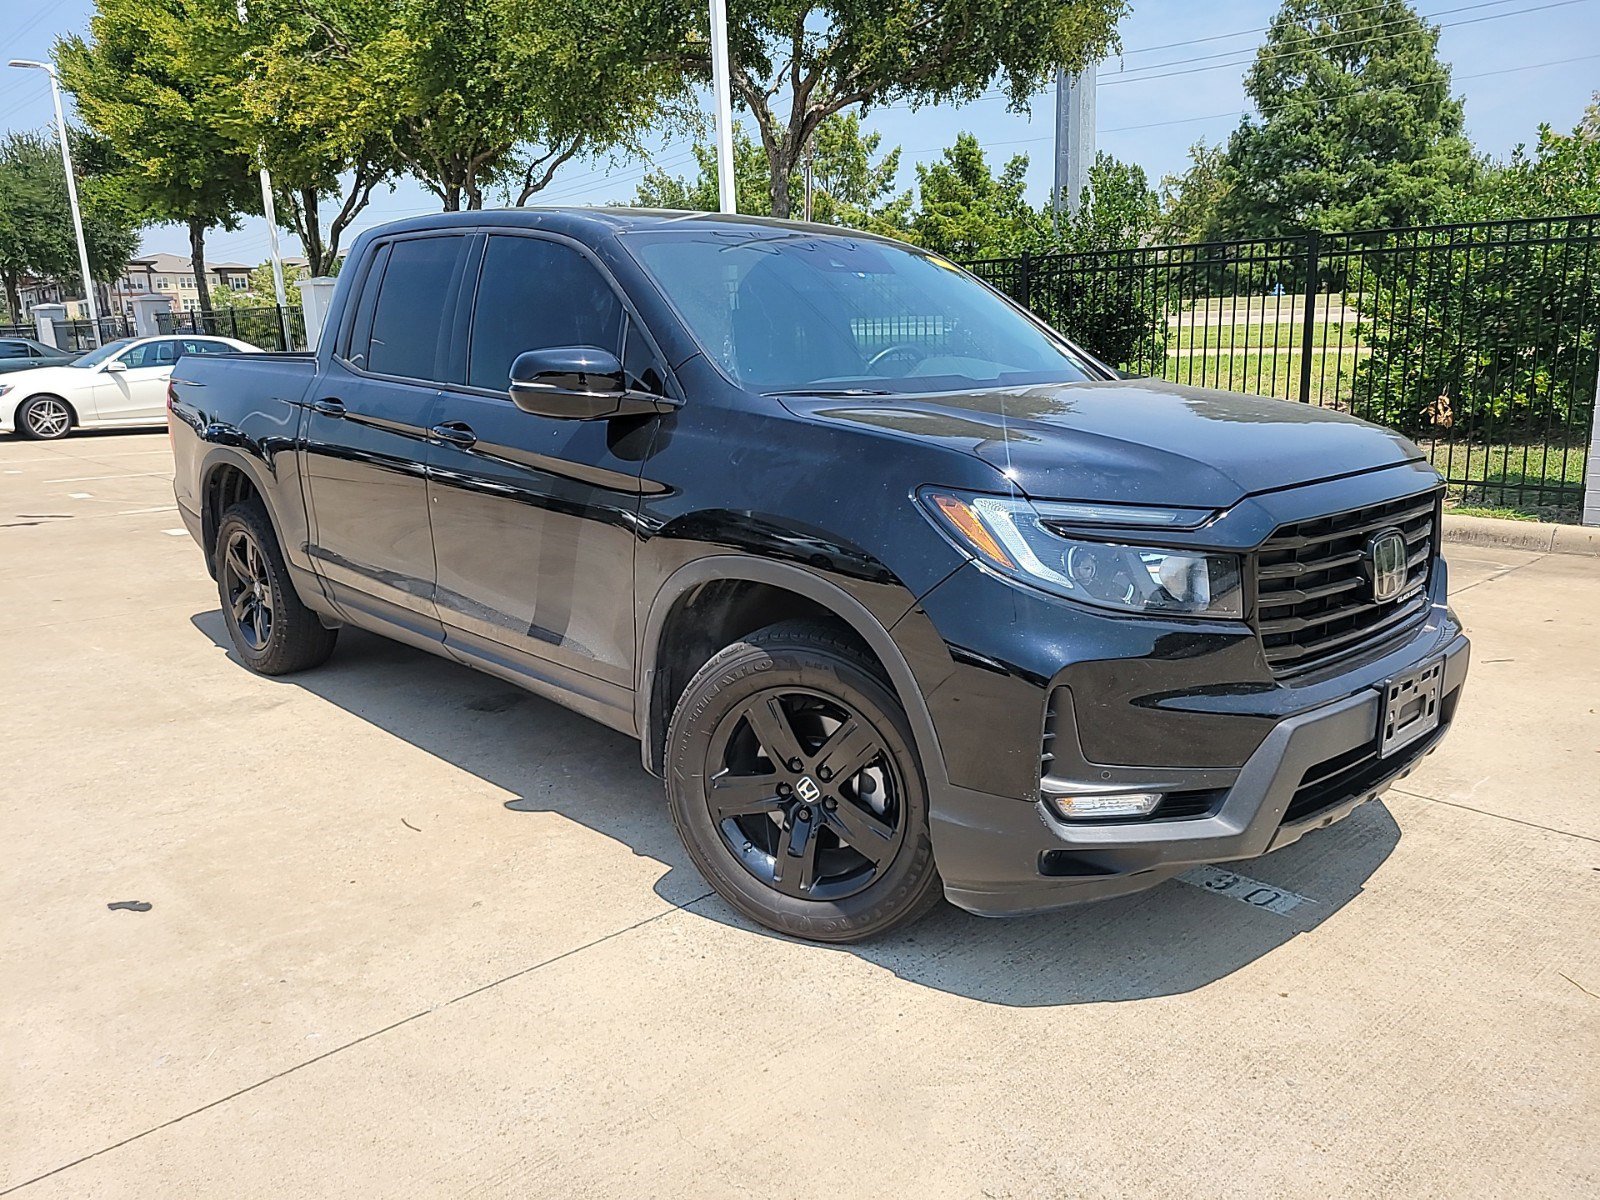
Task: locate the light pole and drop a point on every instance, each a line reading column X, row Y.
column 722, row 100
column 270, row 213
column 72, row 191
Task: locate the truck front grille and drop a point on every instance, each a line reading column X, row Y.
column 1313, row 598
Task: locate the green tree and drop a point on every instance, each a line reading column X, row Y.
column 1356, row 129
column 1190, row 201
column 1514, row 353
column 965, row 211
column 1119, row 209
column 852, row 184
column 152, row 81
column 466, row 96
column 793, row 63
column 36, row 234
column 317, row 156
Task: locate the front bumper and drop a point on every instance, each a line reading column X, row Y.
column 1001, row 857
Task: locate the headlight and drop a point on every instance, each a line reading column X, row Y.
column 1014, row 536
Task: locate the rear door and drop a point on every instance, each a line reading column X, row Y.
column 534, row 517
column 366, row 435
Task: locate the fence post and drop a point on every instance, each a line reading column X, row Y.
column 1309, row 316
column 1025, row 281
column 1591, row 466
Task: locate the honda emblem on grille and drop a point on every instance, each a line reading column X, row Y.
column 1386, row 563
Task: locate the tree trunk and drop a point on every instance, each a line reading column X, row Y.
column 197, row 261
column 14, row 299
column 311, row 232
column 782, row 168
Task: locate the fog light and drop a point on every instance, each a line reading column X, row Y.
column 1104, row 807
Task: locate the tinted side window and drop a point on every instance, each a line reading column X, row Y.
column 196, row 347
column 535, row 295
column 408, row 321
column 152, row 354
column 13, row 350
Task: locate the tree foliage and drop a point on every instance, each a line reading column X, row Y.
column 1190, row 202
column 965, row 211
column 794, row 63
column 36, row 234
column 466, row 96
column 1511, row 298
column 852, row 183
column 1356, row 129
column 147, row 81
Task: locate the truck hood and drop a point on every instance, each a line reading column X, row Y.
column 1138, row 441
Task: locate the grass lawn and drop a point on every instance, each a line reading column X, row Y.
column 1505, row 478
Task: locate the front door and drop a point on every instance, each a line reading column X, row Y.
column 137, row 394
column 533, row 517
column 366, row 437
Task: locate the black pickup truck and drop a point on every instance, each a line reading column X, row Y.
column 903, row 594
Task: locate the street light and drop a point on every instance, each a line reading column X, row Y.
column 721, row 100
column 72, row 190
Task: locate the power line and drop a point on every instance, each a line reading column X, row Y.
column 1221, row 37
column 1333, row 34
column 1354, row 40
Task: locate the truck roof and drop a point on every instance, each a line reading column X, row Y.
column 576, row 220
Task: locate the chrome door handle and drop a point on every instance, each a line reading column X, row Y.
column 454, row 433
column 328, row 407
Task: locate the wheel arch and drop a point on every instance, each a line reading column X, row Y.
column 661, row 679
column 226, row 477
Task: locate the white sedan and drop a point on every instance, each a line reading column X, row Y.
column 122, row 383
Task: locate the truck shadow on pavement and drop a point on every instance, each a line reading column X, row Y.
column 1167, row 941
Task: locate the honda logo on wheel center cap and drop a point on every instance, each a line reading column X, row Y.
column 1386, row 562
column 806, row 788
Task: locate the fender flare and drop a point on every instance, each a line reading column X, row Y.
column 229, row 456
column 724, row 567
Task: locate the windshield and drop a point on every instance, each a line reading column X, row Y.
column 95, row 357
column 802, row 312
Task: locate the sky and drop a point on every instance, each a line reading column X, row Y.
column 1517, row 63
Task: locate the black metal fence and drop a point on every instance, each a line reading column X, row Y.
column 79, row 336
column 269, row 328
column 1480, row 341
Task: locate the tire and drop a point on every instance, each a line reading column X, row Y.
column 271, row 630
column 44, row 418
column 831, row 844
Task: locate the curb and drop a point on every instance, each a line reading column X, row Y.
column 1522, row 535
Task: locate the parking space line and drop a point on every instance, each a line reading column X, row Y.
column 87, row 478
column 1245, row 890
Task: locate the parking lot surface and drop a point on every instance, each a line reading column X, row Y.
column 413, row 932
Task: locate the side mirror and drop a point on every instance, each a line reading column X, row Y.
column 577, row 383
column 114, row 365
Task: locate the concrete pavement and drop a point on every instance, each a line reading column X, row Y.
column 414, row 932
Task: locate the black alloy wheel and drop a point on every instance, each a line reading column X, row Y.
column 247, row 589
column 272, row 630
column 794, row 782
column 806, row 797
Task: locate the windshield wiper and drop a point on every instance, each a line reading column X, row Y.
column 821, row 391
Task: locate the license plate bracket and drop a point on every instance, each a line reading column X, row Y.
column 1410, row 707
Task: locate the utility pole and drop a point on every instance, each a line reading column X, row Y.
column 808, row 181
column 72, row 192
column 270, row 212
column 722, row 99
column 1074, row 139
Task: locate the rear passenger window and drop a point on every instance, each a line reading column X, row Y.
column 408, row 321
column 536, row 295
column 13, row 350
